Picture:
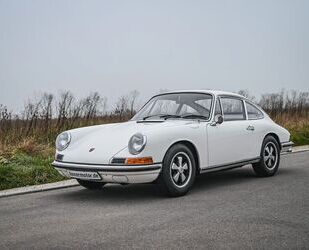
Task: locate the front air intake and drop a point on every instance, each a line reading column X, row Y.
column 118, row 160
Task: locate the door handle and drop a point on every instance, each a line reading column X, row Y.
column 250, row 127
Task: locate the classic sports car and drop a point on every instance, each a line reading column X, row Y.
column 173, row 138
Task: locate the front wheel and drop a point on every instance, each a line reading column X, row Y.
column 91, row 184
column 270, row 158
column 178, row 171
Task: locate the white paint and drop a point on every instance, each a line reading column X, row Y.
column 221, row 144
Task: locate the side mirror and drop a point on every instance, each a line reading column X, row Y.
column 218, row 120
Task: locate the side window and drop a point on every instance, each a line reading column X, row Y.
column 253, row 112
column 218, row 110
column 233, row 109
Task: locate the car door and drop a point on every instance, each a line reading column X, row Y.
column 230, row 141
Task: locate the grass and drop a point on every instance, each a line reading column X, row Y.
column 300, row 136
column 297, row 126
column 27, row 164
column 23, row 170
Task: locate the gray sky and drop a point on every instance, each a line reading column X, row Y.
column 116, row 46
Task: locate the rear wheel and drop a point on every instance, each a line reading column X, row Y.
column 178, row 171
column 270, row 158
column 91, row 184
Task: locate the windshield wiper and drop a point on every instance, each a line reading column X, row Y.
column 149, row 116
column 162, row 116
column 165, row 117
column 192, row 116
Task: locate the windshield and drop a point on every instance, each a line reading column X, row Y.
column 177, row 105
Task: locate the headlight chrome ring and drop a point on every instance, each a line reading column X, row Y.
column 137, row 143
column 63, row 140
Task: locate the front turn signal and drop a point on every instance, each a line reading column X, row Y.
column 139, row 161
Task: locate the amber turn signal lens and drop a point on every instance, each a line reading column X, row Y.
column 139, row 161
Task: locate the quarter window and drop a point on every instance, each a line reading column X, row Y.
column 253, row 112
column 233, row 109
column 218, row 108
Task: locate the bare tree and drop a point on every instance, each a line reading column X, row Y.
column 245, row 93
column 46, row 109
column 5, row 118
column 31, row 112
column 122, row 107
column 133, row 101
column 44, row 116
column 64, row 108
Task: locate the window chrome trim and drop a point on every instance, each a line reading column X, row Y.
column 214, row 108
column 233, row 97
column 254, row 105
column 246, row 111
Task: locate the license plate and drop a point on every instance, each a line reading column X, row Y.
column 84, row 175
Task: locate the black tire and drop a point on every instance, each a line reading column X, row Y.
column 91, row 184
column 270, row 158
column 168, row 182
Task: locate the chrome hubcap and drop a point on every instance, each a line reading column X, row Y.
column 270, row 155
column 181, row 169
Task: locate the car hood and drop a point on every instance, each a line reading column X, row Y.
column 98, row 144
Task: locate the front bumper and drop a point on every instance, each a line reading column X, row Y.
column 286, row 147
column 113, row 173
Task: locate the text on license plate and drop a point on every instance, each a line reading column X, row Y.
column 85, row 175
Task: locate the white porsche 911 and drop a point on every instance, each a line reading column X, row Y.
column 173, row 138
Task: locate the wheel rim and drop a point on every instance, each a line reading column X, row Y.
column 181, row 169
column 270, row 155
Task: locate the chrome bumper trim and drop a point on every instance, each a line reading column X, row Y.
column 113, row 174
column 107, row 168
column 286, row 146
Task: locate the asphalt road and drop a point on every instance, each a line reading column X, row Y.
column 226, row 210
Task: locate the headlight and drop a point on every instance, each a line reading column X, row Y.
column 63, row 140
column 137, row 143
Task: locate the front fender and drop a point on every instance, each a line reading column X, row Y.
column 159, row 141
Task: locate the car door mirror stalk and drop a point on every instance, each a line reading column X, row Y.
column 217, row 120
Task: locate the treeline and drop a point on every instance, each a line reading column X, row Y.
column 45, row 116
column 285, row 102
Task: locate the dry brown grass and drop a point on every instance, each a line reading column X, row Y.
column 297, row 125
column 291, row 121
column 34, row 131
column 28, row 146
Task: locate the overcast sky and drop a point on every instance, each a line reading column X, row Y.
column 116, row 46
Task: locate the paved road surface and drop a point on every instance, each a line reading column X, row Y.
column 231, row 209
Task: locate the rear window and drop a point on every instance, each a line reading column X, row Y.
column 253, row 112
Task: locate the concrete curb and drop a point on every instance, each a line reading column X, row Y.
column 297, row 149
column 38, row 188
column 73, row 183
column 300, row 149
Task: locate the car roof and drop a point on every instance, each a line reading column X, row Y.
column 214, row 92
